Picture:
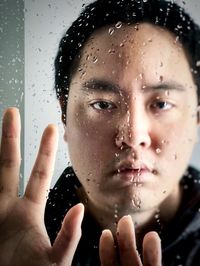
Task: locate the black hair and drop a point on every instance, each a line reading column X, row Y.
column 109, row 12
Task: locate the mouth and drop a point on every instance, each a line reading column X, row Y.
column 134, row 173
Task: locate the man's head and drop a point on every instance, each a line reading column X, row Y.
column 103, row 13
column 131, row 120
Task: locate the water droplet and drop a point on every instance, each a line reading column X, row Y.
column 111, row 51
column 88, row 57
column 111, row 31
column 94, row 59
column 161, row 78
column 143, row 88
column 198, row 63
column 141, row 76
column 167, row 92
column 133, row 155
column 176, row 39
column 116, row 206
column 154, row 172
column 136, row 27
column 136, row 202
column 118, row 24
column 83, row 73
column 158, row 150
column 164, row 141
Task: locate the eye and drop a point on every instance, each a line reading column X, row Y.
column 161, row 105
column 103, row 105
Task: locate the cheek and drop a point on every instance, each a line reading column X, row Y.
column 89, row 128
column 90, row 142
column 179, row 143
column 90, row 133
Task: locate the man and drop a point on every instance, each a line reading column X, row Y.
column 127, row 81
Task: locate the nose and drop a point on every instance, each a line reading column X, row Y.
column 134, row 130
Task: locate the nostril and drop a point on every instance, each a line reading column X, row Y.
column 142, row 144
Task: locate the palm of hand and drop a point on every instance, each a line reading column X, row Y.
column 23, row 237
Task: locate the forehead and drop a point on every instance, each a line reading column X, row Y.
column 128, row 35
column 131, row 51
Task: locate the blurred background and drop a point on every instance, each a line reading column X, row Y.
column 30, row 31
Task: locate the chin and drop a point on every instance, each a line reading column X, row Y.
column 138, row 202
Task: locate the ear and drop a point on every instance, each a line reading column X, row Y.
column 62, row 101
column 65, row 133
column 198, row 115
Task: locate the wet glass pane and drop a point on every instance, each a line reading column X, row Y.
column 131, row 122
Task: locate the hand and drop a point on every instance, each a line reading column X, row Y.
column 23, row 237
column 128, row 255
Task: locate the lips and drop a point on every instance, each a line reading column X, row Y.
column 133, row 167
column 134, row 172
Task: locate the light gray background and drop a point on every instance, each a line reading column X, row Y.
column 12, row 61
column 45, row 23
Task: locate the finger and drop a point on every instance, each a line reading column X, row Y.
column 67, row 240
column 10, row 152
column 39, row 182
column 152, row 255
column 127, row 243
column 107, row 250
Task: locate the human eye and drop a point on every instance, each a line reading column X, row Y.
column 161, row 105
column 103, row 105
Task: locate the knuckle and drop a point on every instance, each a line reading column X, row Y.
column 46, row 151
column 8, row 163
column 39, row 173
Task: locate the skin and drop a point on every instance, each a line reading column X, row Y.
column 23, row 237
column 149, row 116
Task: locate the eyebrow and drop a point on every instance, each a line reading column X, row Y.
column 167, row 86
column 100, row 86
column 97, row 85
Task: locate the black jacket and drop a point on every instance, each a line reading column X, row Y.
column 180, row 239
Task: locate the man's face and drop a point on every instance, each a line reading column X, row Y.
column 131, row 117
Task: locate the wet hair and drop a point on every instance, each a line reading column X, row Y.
column 103, row 13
